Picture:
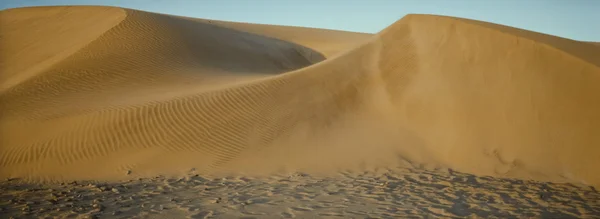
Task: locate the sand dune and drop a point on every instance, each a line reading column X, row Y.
column 37, row 38
column 159, row 94
column 327, row 42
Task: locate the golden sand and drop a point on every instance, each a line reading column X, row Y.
column 93, row 92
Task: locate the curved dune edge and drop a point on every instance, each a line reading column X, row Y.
column 428, row 90
column 330, row 43
column 35, row 39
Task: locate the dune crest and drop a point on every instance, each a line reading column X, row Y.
column 489, row 101
column 163, row 94
column 36, row 38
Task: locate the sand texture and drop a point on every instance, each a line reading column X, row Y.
column 110, row 94
column 389, row 193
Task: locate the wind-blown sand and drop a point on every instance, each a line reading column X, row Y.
column 109, row 94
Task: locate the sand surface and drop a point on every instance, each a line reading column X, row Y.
column 111, row 94
column 385, row 193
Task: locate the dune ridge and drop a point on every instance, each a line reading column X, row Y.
column 328, row 42
column 504, row 99
column 34, row 39
column 163, row 94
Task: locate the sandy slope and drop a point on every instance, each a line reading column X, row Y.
column 327, row 42
column 37, row 38
column 152, row 93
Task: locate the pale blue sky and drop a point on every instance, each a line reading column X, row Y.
column 575, row 19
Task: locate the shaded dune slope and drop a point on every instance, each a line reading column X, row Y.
column 158, row 93
column 146, row 55
column 328, row 42
column 36, row 38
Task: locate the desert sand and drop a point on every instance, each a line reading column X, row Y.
column 385, row 193
column 433, row 116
